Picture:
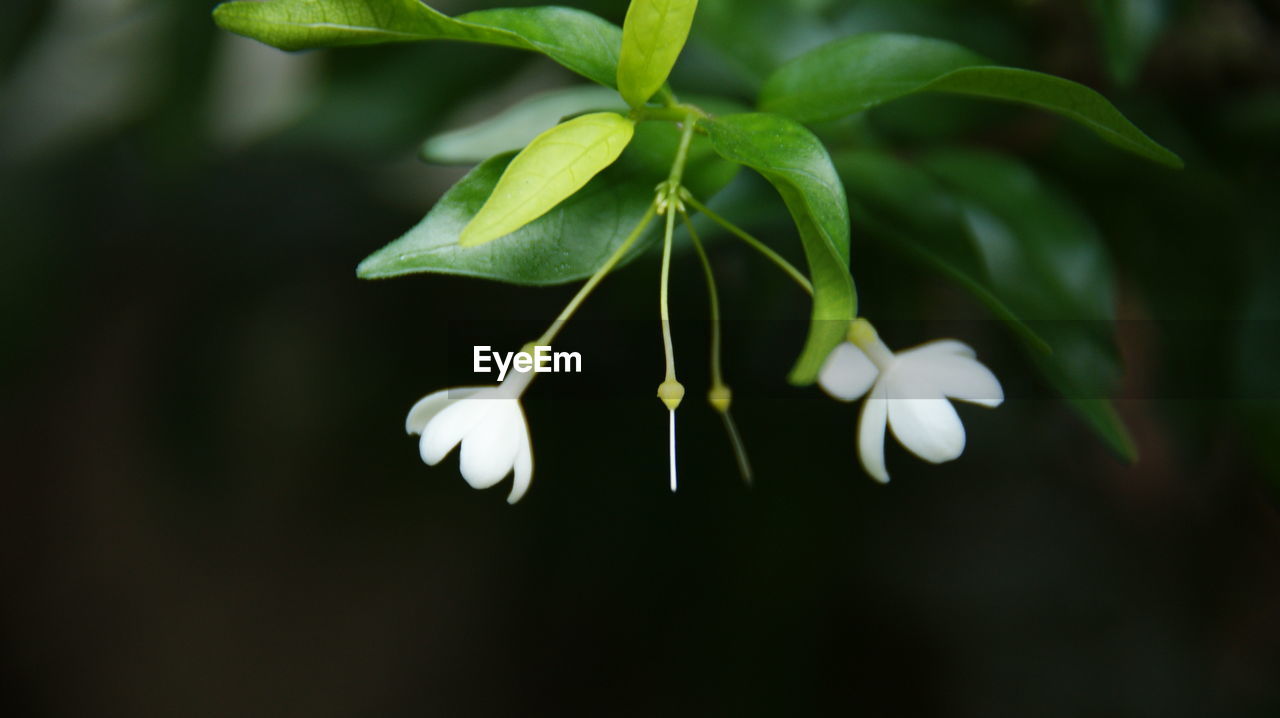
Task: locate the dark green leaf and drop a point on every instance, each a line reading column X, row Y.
column 516, row 126
column 898, row 201
column 798, row 166
column 863, row 71
column 580, row 41
column 1027, row 252
column 568, row 243
column 744, row 42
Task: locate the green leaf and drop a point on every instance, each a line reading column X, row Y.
column 515, row 127
column 1024, row 250
column 653, row 35
column 863, row 71
column 902, row 203
column 798, row 166
column 579, row 40
column 568, row 243
column 556, row 164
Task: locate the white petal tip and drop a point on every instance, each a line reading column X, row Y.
column 950, row 451
column 941, row 454
column 523, row 471
column 517, row 492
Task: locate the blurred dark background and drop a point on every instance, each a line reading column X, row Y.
column 210, row 507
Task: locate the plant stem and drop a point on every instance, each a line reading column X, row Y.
column 668, row 113
column 663, row 309
column 670, row 203
column 719, row 390
column 717, row 379
column 739, row 449
column 682, row 154
column 756, row 244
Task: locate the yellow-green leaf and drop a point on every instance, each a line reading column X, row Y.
column 579, row 40
column 558, row 163
column 652, row 37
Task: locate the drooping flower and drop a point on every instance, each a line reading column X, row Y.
column 910, row 392
column 489, row 423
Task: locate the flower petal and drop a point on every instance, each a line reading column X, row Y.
column 929, row 428
column 847, row 373
column 875, row 413
column 961, row 378
column 524, row 466
column 447, row 428
column 943, row 347
column 432, row 404
column 489, row 450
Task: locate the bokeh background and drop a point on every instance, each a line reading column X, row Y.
column 209, row 507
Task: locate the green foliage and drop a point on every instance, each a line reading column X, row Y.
column 556, row 211
column 653, row 35
column 988, row 222
column 556, row 164
column 863, row 71
column 797, row 164
column 568, row 243
column 580, row 41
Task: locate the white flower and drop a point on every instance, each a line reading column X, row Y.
column 909, row 392
column 489, row 423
